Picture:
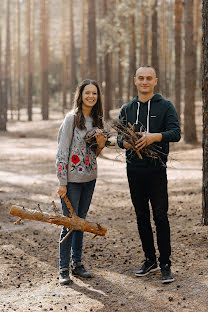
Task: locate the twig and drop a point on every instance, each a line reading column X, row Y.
column 55, row 208
column 39, row 208
column 65, row 237
column 130, row 136
column 18, row 221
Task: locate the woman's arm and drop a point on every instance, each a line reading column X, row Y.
column 64, row 143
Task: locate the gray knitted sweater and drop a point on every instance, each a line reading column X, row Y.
column 75, row 161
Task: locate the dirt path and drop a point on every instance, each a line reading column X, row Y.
column 29, row 251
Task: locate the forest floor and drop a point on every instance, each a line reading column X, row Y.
column 29, row 251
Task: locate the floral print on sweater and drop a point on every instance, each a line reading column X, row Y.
column 82, row 158
column 75, row 161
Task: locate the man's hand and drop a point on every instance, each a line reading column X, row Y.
column 147, row 139
column 62, row 190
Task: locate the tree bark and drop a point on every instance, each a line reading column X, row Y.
column 190, row 74
column 205, row 112
column 197, row 41
column 155, row 54
column 108, row 75
column 28, row 79
column 92, row 47
column 72, row 61
column 132, row 55
column 163, row 63
column 73, row 222
column 83, row 47
column 64, row 60
column 18, row 59
column 44, row 58
column 7, row 77
column 178, row 46
column 2, row 121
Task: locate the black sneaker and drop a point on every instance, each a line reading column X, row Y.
column 147, row 267
column 79, row 270
column 167, row 276
column 64, row 278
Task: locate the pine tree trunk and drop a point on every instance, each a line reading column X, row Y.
column 120, row 72
column 132, row 55
column 155, row 54
column 7, row 79
column 146, row 33
column 44, row 59
column 72, row 52
column 169, row 49
column 205, row 111
column 197, row 41
column 100, row 39
column 64, row 59
column 92, row 47
column 178, row 46
column 18, row 59
column 2, row 116
column 108, row 74
column 190, row 71
column 28, row 79
column 163, row 77
column 83, row 48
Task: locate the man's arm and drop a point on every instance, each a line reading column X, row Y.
column 172, row 132
column 122, row 119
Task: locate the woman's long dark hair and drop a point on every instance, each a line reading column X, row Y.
column 97, row 110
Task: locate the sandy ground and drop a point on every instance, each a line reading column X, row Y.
column 29, row 251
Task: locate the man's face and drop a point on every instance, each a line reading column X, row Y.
column 145, row 80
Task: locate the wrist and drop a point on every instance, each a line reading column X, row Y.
column 158, row 137
column 100, row 147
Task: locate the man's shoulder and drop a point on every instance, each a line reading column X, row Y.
column 130, row 103
column 165, row 103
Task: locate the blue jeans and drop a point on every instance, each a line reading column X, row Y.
column 80, row 196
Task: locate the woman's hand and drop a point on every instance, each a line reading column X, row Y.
column 100, row 138
column 127, row 145
column 62, row 190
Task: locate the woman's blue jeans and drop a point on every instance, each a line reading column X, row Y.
column 80, row 196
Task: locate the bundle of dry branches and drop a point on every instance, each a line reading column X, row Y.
column 90, row 138
column 131, row 136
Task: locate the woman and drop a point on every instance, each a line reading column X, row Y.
column 77, row 170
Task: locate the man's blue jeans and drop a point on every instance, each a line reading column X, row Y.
column 80, row 196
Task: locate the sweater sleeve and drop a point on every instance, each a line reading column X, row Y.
column 64, row 142
column 122, row 118
column 173, row 131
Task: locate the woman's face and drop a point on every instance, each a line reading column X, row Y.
column 89, row 96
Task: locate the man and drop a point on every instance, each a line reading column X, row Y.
column 147, row 176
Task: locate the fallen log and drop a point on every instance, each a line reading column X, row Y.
column 72, row 222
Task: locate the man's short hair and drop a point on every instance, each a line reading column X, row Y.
column 148, row 66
